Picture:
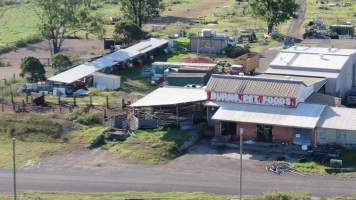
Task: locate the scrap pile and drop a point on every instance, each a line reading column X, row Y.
column 316, row 30
column 282, row 168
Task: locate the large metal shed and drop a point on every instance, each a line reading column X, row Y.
column 337, row 125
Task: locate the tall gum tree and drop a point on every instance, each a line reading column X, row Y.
column 274, row 12
column 139, row 11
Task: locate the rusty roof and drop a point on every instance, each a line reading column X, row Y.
column 253, row 85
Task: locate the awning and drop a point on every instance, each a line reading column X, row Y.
column 304, row 116
column 75, row 73
column 171, row 96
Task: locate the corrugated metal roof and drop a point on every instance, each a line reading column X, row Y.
column 338, row 118
column 320, row 50
column 75, row 73
column 171, row 96
column 308, row 81
column 108, row 60
column 186, row 75
column 304, row 116
column 255, row 86
column 184, row 64
column 301, row 72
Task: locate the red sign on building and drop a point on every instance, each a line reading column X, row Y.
column 252, row 99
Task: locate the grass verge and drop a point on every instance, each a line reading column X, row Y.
column 156, row 196
column 347, row 156
column 151, row 146
column 36, row 136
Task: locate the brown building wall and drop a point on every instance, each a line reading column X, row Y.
column 282, row 134
column 217, row 128
column 249, row 131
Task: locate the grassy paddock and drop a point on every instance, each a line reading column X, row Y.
column 331, row 15
column 152, row 146
column 36, row 136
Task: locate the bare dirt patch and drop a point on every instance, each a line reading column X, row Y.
column 185, row 13
column 78, row 48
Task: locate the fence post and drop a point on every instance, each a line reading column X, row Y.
column 12, row 101
column 2, row 107
column 23, row 106
column 90, row 101
column 26, row 97
column 107, row 102
column 59, row 103
column 74, row 101
column 105, row 114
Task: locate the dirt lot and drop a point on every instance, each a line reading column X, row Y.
column 79, row 49
column 196, row 9
column 200, row 153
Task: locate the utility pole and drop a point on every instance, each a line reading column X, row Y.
column 241, row 143
column 14, row 164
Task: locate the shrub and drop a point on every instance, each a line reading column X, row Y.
column 90, row 119
column 4, row 64
column 126, row 32
column 236, row 51
column 32, row 69
column 77, row 113
column 61, row 62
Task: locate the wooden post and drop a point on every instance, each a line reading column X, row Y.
column 59, row 103
column 23, row 106
column 105, row 114
column 123, row 103
column 90, row 101
column 2, row 107
column 74, row 101
column 12, row 97
column 12, row 101
column 26, row 97
column 107, row 102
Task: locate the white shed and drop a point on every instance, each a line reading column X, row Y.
column 106, row 81
column 338, row 66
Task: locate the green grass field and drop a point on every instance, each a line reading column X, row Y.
column 332, row 15
column 18, row 23
column 36, row 135
column 151, row 146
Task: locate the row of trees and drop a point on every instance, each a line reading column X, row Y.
column 60, row 18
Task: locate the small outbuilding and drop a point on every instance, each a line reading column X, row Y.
column 106, row 81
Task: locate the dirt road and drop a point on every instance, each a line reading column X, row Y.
column 296, row 25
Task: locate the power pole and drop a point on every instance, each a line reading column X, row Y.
column 241, row 143
column 14, row 164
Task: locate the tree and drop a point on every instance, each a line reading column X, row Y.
column 60, row 18
column 32, row 69
column 61, row 62
column 126, row 32
column 139, row 11
column 274, row 12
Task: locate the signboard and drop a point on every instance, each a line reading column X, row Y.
column 252, row 99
